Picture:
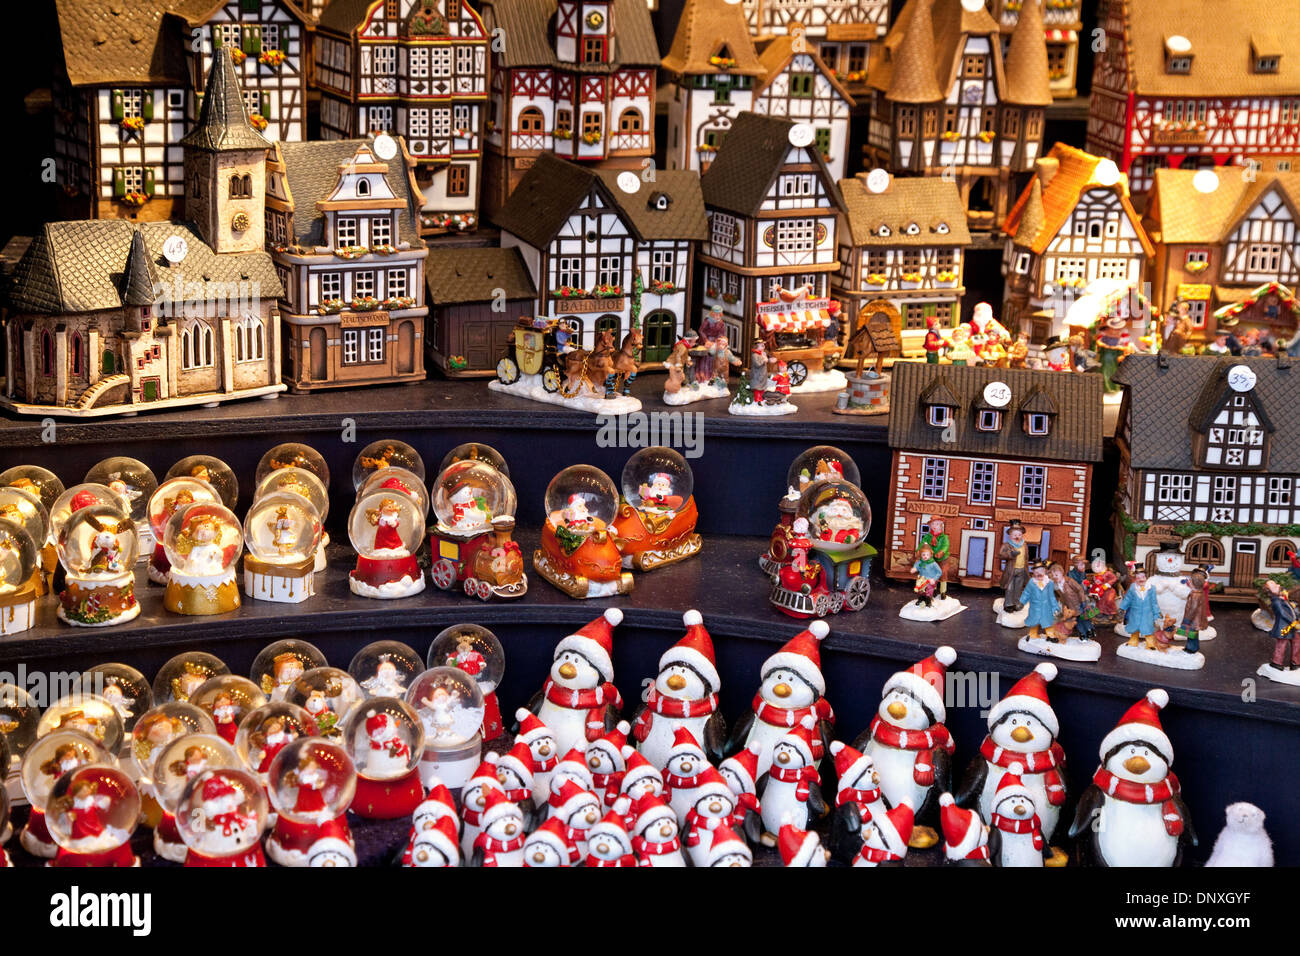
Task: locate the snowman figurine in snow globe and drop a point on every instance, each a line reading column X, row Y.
column 472, row 540
column 282, row 533
column 311, row 783
column 578, row 553
column 656, row 514
column 476, row 651
column 221, row 815
column 450, row 706
column 91, row 814
column 386, row 528
column 172, row 495
column 176, row 763
column 18, row 578
column 135, row 482
column 385, row 739
column 385, row 668
column 307, row 487
column 203, row 543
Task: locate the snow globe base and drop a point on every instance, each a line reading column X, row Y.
column 388, row 799
column 158, row 565
column 1071, row 649
column 386, row 578
column 939, row 609
column 1172, row 657
column 18, row 610
column 291, row 844
column 98, row 604
column 251, row 857
column 201, row 595
column 1014, row 619
column 167, row 842
column 118, row 856
column 453, row 766
column 281, row 583
column 1273, row 673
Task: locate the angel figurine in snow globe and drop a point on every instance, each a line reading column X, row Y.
column 203, row 543
column 155, row 729
column 178, row 762
column 385, row 454
column 91, row 814
column 280, row 663
column 385, row 668
column 829, row 560
column 136, row 483
column 450, row 706
column 124, row 687
column 472, row 542
column 818, row 463
column 656, row 514
column 578, row 552
column 476, row 651
column 51, row 757
column 328, row 694
column 172, row 495
column 282, row 533
column 308, row 488
column 182, row 675
column 88, row 714
column 386, row 528
column 18, row 577
column 221, row 815
column 45, row 486
column 311, row 783
column 385, row 739
column 212, row 470
column 27, row 511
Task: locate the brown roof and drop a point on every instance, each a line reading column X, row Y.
column 915, row 65
column 684, row 216
column 705, row 27
column 223, row 118
column 1220, row 46
column 458, row 276
column 1031, row 214
column 547, row 195
column 746, row 164
column 777, row 55
column 1075, row 173
column 344, row 16
column 530, row 27
column 120, row 41
column 1028, row 82
column 1179, row 212
column 927, row 201
column 198, row 12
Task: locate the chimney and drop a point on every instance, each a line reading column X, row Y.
column 1046, row 167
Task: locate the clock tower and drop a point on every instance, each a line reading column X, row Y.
column 584, row 31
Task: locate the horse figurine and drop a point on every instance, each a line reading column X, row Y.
column 624, row 365
column 600, row 363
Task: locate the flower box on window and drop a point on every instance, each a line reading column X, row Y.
column 237, row 55
column 662, row 287
column 383, row 249
column 330, row 307
column 722, row 62
column 272, row 58
column 569, row 292
column 133, row 197
column 1196, row 268
column 258, row 122
column 363, row 303
column 351, row 252
column 951, row 135
column 986, row 135
column 591, row 137
column 607, row 291
column 876, row 278
column 945, row 276
column 395, row 303
column 132, row 124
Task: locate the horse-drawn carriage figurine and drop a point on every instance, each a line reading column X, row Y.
column 471, row 542
column 826, row 567
column 793, row 328
column 544, row 362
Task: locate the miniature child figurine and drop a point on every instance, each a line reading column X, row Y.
column 932, row 602
column 1071, row 635
column 936, row 538
column 1040, row 597
column 934, row 343
column 1114, row 344
column 928, row 573
column 1102, row 586
column 1284, row 665
column 959, row 349
column 1144, row 622
column 282, row 534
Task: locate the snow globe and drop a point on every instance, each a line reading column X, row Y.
column 282, row 662
column 19, row 716
column 185, row 673
column 385, row 668
column 267, row 730
column 282, row 533
column 385, row 739
column 656, row 515
column 176, row 764
column 384, row 454
column 91, row 814
column 829, row 559
column 328, row 694
column 476, row 651
column 88, row 714
column 311, row 784
column 307, row 486
column 45, row 486
column 18, row 577
column 386, row 528
column 153, row 731
column 25, row 509
column 475, row 451
column 6, row 828
column 578, row 554
column 202, row 543
column 228, row 699
column 212, row 470
column 135, row 482
column 221, row 815
column 50, row 757
column 400, row 480
column 450, row 706
column 97, row 548
column 812, row 464
column 173, row 495
column 122, row 686
column 471, row 543
column 293, row 454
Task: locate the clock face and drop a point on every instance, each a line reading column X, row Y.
column 595, row 19
column 1241, row 378
column 971, row 92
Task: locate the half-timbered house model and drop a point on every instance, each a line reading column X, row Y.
column 107, row 316
column 575, row 78
column 798, row 86
column 982, row 447
column 476, row 298
column 1206, row 461
column 1222, row 239
column 417, row 69
column 1062, row 23
column 341, row 223
column 1072, row 225
column 902, row 252
column 945, row 102
column 711, row 69
column 842, row 32
column 772, row 209
column 1179, row 86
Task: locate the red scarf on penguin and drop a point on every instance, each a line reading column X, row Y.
column 923, row 681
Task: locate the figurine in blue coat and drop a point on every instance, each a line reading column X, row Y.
column 1142, row 617
column 1039, row 596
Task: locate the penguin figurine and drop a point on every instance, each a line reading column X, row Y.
column 474, row 800
column 714, row 806
column 683, row 694
column 544, row 749
column 578, row 810
column 791, row 788
column 515, row 773
column 608, row 842
column 639, row 780
column 501, row 840
column 579, row 701
column 965, row 837
column 548, row 847
column 572, row 768
column 728, row 849
column 741, row 774
column 1133, row 814
column 857, row 799
column 606, row 763
column 885, row 839
column 656, row 837
column 1015, row 829
column 800, row 847
column 684, row 773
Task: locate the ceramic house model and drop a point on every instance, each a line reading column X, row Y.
column 1217, row 248
column 946, row 102
column 981, row 447
column 602, row 258
column 773, row 213
column 341, row 221
column 1072, row 225
column 574, row 78
column 902, row 251
column 108, row 316
column 842, row 32
column 711, row 67
column 476, row 299
column 1205, row 460
column 1176, row 88
column 417, row 69
column 1062, row 23
column 797, row 85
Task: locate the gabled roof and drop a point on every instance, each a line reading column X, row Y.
column 1076, row 433
column 753, row 152
column 344, row 16
column 1180, row 213
column 1167, row 394
column 704, row 28
column 926, row 200
column 530, row 27
column 223, row 118
column 938, row 392
column 904, row 64
column 1214, row 394
column 1038, row 401
column 684, row 217
column 459, row 276
column 120, row 41
column 779, row 53
column 548, row 195
column 1028, row 82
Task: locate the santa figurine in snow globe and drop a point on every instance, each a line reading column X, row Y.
column 228, row 699
column 97, row 548
column 91, row 814
column 170, row 497
column 821, row 462
column 450, row 707
column 833, row 516
column 385, row 528
column 19, row 554
column 202, row 543
column 578, row 553
column 280, row 663
column 175, row 764
column 282, row 532
column 385, row 668
column 472, row 540
column 328, row 694
column 221, row 816
column 476, row 651
column 656, row 514
column 52, row 757
column 311, row 783
column 385, row 738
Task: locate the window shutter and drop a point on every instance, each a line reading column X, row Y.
column 216, row 37
column 146, row 104
column 148, row 180
column 252, row 40
column 119, row 183
column 264, row 104
column 119, row 108
column 250, row 6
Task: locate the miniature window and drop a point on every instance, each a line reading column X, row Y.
column 979, row 524
column 660, row 201
column 822, row 140
column 1207, row 551
column 1264, row 257
column 175, row 99
column 723, row 229
column 983, row 482
column 331, row 285
column 942, row 228
column 375, row 344
column 464, row 61
column 988, row 420
column 1266, row 64
column 384, row 60
column 797, row 185
column 795, row 235
column 392, row 9
column 934, row 479
column 1112, row 228
column 1033, row 486
column 395, row 283
column 1179, row 64
column 973, row 66
column 629, row 121
column 270, row 36
column 1112, row 269
column 381, row 119
column 462, row 118
column 802, row 85
column 611, row 271
column 133, row 178
column 417, row 63
column 912, row 229
column 453, row 9
column 76, row 353
column 363, row 187
column 1277, row 554
column 1196, row 311
column 346, row 230
column 237, row 187
column 1174, row 489
column 591, row 125
column 563, row 121
column 458, row 179
column 1225, row 490
column 1034, row 124
column 250, row 340
column 663, row 265
column 883, row 231
column 440, row 62
column 593, row 49
column 417, row 123
column 1195, row 256
column 196, row 346
column 940, row 416
column 440, row 123
column 857, row 58
column 381, row 231
column 351, row 346
column 569, row 271
column 226, row 34
column 363, row 284
column 722, row 89
column 1037, row 423
column 1279, row 492
column 914, row 315
column 907, row 121
column 1094, row 229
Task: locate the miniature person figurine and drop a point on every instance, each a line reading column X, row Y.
column 928, row 573
column 986, row 329
column 1114, row 344
column 936, row 538
column 282, row 534
column 1141, row 609
column 1040, row 596
column 1015, row 570
column 385, row 520
column 934, row 343
column 1284, row 665
column 758, row 371
column 959, row 349
column 1196, row 610
column 1018, row 351
column 1102, row 585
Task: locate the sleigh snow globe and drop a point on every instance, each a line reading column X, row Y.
column 385, row 739
column 386, row 527
column 136, row 483
column 328, row 694
column 212, row 470
column 91, row 815
column 282, row 533
column 221, row 815
column 656, row 518
column 471, row 542
column 18, row 591
column 280, row 663
column 202, row 543
column 184, row 674
column 306, row 486
column 579, row 554
column 173, row 495
column 175, row 764
column 476, row 651
column 829, row 559
column 385, row 668
column 311, row 783
column 97, row 548
column 450, row 705
column 52, row 756
column 821, row 462
column 384, row 454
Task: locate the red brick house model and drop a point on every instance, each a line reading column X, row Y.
column 980, row 447
column 1062, row 25
column 944, row 101
column 1186, row 86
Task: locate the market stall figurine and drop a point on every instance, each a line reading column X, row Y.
column 386, row 528
column 655, row 525
column 579, row 702
column 202, row 543
column 97, row 548
column 766, row 389
column 579, row 553
column 683, row 694
column 476, row 651
column 1070, row 635
column 471, row 542
column 311, row 783
column 1149, row 631
column 829, row 558
column 1284, row 665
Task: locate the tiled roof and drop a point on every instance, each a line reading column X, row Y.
column 683, row 219
column 223, row 118
column 926, row 200
column 1025, row 66
column 544, row 199
column 755, row 149
column 344, row 16
column 776, row 57
column 456, row 276
column 1180, row 212
column 704, row 28
column 120, row 41
column 529, row 28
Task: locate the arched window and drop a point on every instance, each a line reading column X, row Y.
column 250, row 339
column 531, row 120
column 108, row 363
column 1278, row 555
column 47, row 353
column 236, row 187
column 1207, row 551
column 248, row 186
column 76, row 353
column 363, row 187
column 629, row 121
column 196, row 345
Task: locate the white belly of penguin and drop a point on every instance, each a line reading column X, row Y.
column 567, row 725
column 666, row 859
column 778, row 800
column 1133, row 834
column 1018, row 850
column 659, row 741
column 895, row 768
column 1048, row 815
column 767, row 736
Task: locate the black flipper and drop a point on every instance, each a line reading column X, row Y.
column 845, row 837
column 739, row 733
column 972, row 783
column 715, row 737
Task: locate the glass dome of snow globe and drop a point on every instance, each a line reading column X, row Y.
column 222, row 813
column 122, row 686
column 188, row 757
column 228, row 699
column 88, row 495
column 469, row 495
column 657, row 480
column 41, row 482
column 399, row 480
column 266, row 731
column 822, row 462
column 293, row 454
column 88, row 714
column 472, row 649
column 282, row 529
column 17, row 557
column 385, row 668
column 383, row 454
column 328, row 694
column 159, row 726
column 19, row 716
column 203, row 540
column 298, row 482
column 96, row 543
column 384, row 737
column 311, row 781
column 173, row 495
column 282, row 662
column 185, row 673
column 24, row 508
column 475, row 451
column 53, row 756
column 385, row 524
column 130, row 478
column 838, row 514
column 93, row 809
column 581, row 499
column 212, row 470
column 449, row 703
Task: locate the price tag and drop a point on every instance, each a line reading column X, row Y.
column 385, row 146
column 629, row 182
column 175, row 248
column 801, row 135
column 997, row 394
column 1241, row 378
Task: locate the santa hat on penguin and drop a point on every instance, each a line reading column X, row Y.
column 694, row 650
column 595, row 642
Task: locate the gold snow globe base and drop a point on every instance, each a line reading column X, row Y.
column 18, row 609
column 201, row 596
